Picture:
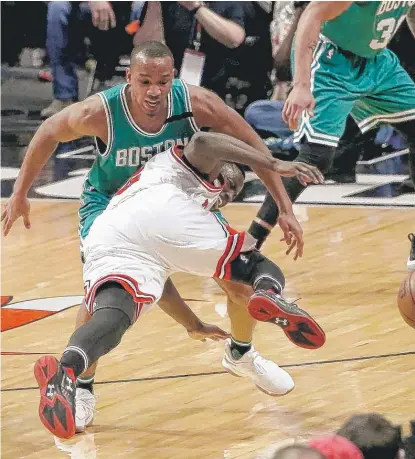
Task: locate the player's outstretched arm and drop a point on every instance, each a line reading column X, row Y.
column 172, row 304
column 308, row 31
column 82, row 118
column 207, row 150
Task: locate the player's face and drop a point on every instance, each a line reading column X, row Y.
column 233, row 183
column 151, row 80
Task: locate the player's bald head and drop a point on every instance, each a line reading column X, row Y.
column 154, row 50
column 298, row 452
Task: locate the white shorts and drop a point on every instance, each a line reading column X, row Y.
column 151, row 235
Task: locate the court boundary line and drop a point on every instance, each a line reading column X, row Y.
column 222, row 372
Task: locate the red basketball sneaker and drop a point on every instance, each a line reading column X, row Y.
column 300, row 327
column 57, row 397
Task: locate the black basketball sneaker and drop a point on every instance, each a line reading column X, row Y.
column 299, row 327
column 411, row 260
column 57, row 396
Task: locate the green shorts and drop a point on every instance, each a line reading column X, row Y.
column 93, row 203
column 373, row 91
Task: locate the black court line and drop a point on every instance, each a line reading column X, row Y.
column 212, row 373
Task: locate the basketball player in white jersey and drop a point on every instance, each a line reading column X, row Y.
column 159, row 223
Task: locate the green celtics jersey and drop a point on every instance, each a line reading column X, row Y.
column 129, row 147
column 366, row 28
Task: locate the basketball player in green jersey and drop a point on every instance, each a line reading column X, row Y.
column 132, row 122
column 342, row 67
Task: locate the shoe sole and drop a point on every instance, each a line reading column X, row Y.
column 299, row 327
column 410, row 265
column 259, row 387
column 53, row 411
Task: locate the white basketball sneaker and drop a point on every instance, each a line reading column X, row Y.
column 265, row 374
column 84, row 409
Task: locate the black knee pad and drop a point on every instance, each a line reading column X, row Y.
column 321, row 156
column 254, row 269
column 112, row 295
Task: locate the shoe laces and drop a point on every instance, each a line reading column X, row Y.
column 259, row 362
column 84, row 400
column 411, row 237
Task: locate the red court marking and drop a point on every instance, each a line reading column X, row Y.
column 13, row 318
column 6, row 300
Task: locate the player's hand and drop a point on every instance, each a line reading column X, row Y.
column 305, row 173
column 103, row 15
column 204, row 331
column 299, row 99
column 18, row 206
column 293, row 234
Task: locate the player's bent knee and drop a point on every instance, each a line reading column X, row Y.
column 112, row 295
column 255, row 269
column 321, row 156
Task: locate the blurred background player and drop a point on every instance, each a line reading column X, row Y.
column 341, row 67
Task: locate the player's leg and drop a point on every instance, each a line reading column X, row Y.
column 407, row 129
column 237, row 298
column 114, row 311
column 267, row 303
column 331, row 84
column 92, row 205
column 242, row 323
column 391, row 102
column 84, row 398
column 200, row 243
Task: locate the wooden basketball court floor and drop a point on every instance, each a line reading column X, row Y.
column 163, row 395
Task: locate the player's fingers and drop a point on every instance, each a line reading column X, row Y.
column 288, row 237
column 105, row 21
column 293, row 244
column 302, row 179
column 286, row 112
column 113, row 21
column 102, row 21
column 3, row 214
column 300, row 247
column 295, row 116
column 7, row 226
column 95, row 18
column 311, row 174
column 310, row 109
column 26, row 221
column 223, row 335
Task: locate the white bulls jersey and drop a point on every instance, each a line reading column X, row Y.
column 170, row 167
column 158, row 223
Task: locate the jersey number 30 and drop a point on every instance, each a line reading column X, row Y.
column 388, row 27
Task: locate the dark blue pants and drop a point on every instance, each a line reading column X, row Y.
column 67, row 25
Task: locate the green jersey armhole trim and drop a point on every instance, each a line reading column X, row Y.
column 188, row 102
column 133, row 123
column 110, row 127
